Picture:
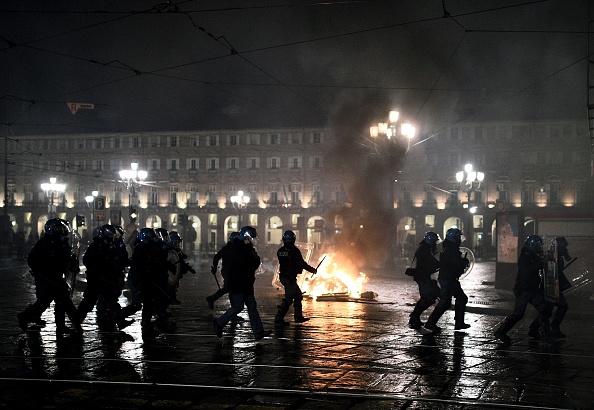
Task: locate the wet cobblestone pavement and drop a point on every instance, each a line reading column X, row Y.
column 350, row 355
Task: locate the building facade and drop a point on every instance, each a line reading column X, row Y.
column 192, row 177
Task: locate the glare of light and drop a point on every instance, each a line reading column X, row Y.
column 274, row 226
column 473, row 210
column 382, row 127
column 361, row 226
column 194, row 225
column 459, row 176
column 491, row 205
column 465, row 206
column 468, row 167
column 393, row 116
column 406, row 227
column 374, row 132
column 234, row 225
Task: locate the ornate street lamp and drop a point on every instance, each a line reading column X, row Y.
column 389, row 129
column 91, row 204
column 52, row 189
column 240, row 201
column 470, row 181
column 131, row 178
column 388, row 133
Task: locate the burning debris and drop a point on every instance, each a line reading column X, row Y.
column 337, row 279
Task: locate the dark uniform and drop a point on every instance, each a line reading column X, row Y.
column 49, row 261
column 429, row 290
column 291, row 264
column 105, row 263
column 148, row 277
column 527, row 289
column 561, row 305
column 243, row 263
column 451, row 267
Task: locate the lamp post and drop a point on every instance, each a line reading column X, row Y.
column 389, row 129
column 51, row 190
column 91, row 204
column 470, row 181
column 130, row 178
column 240, row 201
column 387, row 133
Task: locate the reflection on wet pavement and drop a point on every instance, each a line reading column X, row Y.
column 348, row 353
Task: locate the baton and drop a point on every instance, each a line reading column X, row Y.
column 569, row 263
column 312, row 275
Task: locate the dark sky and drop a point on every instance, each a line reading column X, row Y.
column 184, row 65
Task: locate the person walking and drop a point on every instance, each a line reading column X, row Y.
column 291, row 264
column 244, row 261
column 527, row 289
column 104, row 262
column 427, row 265
column 451, row 267
column 50, row 260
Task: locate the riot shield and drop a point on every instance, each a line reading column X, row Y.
column 467, row 253
column 550, row 271
column 73, row 265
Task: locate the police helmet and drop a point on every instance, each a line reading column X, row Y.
column 162, row 234
column 233, row 236
column 562, row 247
column 534, row 244
column 56, row 227
column 562, row 242
column 249, row 233
column 431, row 238
column 107, row 232
column 174, row 238
column 454, row 235
column 289, row 237
column 146, row 235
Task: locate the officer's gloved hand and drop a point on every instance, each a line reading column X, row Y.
column 466, row 262
column 213, row 270
column 192, row 270
column 315, row 271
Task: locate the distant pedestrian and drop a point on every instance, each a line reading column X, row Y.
column 49, row 260
column 291, row 264
column 242, row 274
column 427, row 265
column 451, row 267
column 527, row 289
column 224, row 255
column 20, row 245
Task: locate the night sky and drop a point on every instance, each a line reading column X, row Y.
column 187, row 65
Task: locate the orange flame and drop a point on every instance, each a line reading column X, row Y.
column 335, row 276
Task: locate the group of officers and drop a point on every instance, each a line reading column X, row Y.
column 155, row 263
column 528, row 288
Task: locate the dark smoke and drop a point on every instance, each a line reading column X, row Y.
column 369, row 223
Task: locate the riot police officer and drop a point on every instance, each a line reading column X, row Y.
column 175, row 242
column 147, row 278
column 105, row 263
column 244, row 261
column 451, row 267
column 49, row 261
column 291, row 264
column 527, row 288
column 561, row 305
column 222, row 255
column 427, row 264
